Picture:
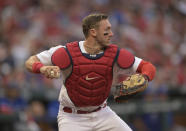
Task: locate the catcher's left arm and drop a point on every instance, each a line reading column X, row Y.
column 135, row 83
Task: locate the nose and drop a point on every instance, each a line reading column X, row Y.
column 111, row 34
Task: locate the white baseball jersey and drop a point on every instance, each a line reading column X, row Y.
column 45, row 58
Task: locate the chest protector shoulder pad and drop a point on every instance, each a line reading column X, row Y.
column 61, row 58
column 125, row 59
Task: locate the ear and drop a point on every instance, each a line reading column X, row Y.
column 93, row 32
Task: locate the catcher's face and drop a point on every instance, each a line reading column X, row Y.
column 103, row 33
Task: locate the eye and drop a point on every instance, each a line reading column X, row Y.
column 108, row 29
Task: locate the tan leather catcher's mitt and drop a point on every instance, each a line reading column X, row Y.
column 131, row 86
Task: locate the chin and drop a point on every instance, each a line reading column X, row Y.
column 104, row 43
column 107, row 43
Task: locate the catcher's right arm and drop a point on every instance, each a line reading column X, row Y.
column 131, row 86
column 34, row 65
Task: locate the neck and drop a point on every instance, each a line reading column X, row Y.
column 92, row 47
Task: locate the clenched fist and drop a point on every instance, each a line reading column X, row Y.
column 50, row 71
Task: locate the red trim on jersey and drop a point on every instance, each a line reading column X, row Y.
column 147, row 69
column 36, row 67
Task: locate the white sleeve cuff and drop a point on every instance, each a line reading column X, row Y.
column 136, row 63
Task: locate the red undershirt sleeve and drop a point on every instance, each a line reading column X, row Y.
column 147, row 69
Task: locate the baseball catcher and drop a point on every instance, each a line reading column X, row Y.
column 88, row 69
column 131, row 86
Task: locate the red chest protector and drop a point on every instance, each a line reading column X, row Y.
column 90, row 81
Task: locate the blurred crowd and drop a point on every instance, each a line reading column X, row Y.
column 154, row 30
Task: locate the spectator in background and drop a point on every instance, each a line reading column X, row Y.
column 12, row 102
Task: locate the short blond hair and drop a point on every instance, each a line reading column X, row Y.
column 91, row 21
